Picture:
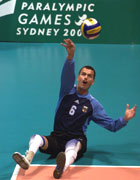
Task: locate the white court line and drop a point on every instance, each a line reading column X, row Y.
column 88, row 165
column 15, row 173
column 17, row 168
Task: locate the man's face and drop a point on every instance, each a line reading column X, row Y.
column 85, row 79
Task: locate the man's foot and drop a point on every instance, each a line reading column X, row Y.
column 21, row 160
column 60, row 161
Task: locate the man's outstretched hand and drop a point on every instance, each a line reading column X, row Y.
column 70, row 47
column 129, row 113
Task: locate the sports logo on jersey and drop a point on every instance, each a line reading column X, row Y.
column 84, row 109
column 76, row 101
column 7, row 7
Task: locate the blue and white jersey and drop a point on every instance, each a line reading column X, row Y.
column 74, row 111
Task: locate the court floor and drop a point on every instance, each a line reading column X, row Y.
column 29, row 88
column 36, row 172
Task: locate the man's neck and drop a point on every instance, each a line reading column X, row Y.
column 81, row 91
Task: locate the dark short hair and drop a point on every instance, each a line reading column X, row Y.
column 89, row 67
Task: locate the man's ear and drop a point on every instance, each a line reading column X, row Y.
column 78, row 78
column 93, row 82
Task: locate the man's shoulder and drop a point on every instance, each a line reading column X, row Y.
column 93, row 100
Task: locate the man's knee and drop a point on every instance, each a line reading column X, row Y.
column 39, row 139
column 72, row 147
column 45, row 146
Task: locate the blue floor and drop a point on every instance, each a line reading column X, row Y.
column 29, row 88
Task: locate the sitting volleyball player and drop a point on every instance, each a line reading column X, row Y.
column 76, row 108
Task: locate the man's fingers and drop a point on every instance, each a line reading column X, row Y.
column 69, row 42
column 63, row 44
column 127, row 106
column 135, row 107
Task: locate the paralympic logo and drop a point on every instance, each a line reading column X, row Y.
column 7, row 7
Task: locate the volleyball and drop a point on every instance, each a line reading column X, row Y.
column 90, row 28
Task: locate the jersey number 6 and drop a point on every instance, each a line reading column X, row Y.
column 72, row 110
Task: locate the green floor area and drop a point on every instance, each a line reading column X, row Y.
column 29, row 88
